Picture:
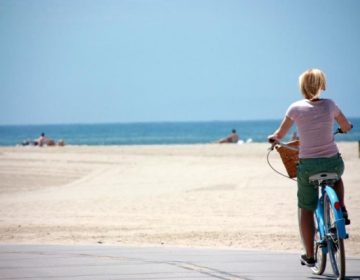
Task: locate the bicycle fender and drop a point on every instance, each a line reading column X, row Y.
column 339, row 219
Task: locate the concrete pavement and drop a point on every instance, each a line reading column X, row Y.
column 116, row 262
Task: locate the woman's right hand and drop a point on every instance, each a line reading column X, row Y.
column 272, row 139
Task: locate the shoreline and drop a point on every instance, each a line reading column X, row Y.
column 203, row 195
column 159, row 144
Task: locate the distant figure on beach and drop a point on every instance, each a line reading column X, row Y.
column 294, row 136
column 42, row 141
column 232, row 138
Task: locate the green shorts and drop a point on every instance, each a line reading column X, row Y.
column 308, row 194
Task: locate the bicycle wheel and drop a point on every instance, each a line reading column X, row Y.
column 335, row 244
column 320, row 256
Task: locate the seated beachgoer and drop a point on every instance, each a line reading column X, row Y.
column 232, row 138
column 43, row 140
column 61, row 142
column 294, row 136
column 50, row 142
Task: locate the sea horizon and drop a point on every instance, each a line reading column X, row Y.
column 141, row 122
column 151, row 133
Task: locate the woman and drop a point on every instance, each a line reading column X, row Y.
column 318, row 152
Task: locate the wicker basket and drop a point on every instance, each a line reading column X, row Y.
column 290, row 158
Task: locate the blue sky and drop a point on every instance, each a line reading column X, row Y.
column 72, row 61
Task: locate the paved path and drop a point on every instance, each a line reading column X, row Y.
column 111, row 262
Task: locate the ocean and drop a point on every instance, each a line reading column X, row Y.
column 151, row 133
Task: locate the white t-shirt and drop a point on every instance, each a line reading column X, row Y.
column 314, row 120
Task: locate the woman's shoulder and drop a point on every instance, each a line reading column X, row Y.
column 301, row 102
column 296, row 107
column 328, row 100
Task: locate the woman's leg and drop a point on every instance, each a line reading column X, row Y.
column 307, row 230
column 339, row 189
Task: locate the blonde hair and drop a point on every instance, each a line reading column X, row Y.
column 311, row 82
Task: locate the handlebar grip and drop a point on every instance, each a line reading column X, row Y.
column 339, row 130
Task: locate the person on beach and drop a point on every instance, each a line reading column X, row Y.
column 314, row 117
column 232, row 138
column 43, row 140
column 294, row 136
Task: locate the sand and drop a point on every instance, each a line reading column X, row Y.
column 209, row 195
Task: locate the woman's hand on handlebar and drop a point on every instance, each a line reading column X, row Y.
column 339, row 130
column 272, row 139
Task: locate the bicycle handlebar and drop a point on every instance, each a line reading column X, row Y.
column 275, row 142
column 339, row 130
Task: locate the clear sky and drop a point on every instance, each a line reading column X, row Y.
column 71, row 61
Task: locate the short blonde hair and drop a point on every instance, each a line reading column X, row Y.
column 311, row 82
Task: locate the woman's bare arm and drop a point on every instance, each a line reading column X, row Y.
column 345, row 125
column 282, row 130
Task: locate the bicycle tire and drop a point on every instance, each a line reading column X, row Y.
column 320, row 256
column 335, row 245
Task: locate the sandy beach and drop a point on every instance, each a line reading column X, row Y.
column 175, row 195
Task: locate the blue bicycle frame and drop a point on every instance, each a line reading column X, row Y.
column 339, row 219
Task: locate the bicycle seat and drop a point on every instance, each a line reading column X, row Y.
column 323, row 178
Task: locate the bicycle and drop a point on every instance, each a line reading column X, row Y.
column 329, row 227
column 330, row 231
